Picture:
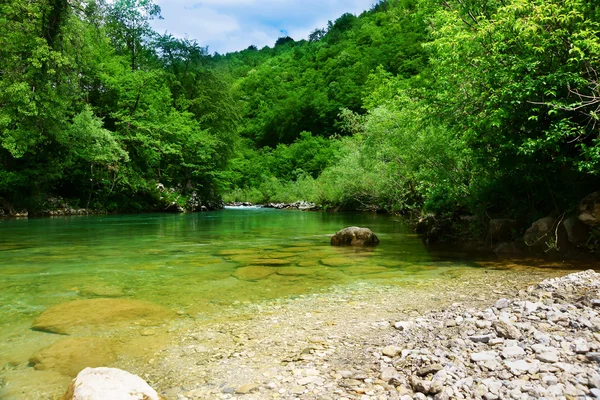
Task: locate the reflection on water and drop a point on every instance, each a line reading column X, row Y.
column 195, row 265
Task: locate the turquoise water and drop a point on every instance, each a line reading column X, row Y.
column 197, row 265
column 177, row 259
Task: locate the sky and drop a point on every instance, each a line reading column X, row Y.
column 231, row 25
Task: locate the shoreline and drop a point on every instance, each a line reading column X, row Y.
column 329, row 345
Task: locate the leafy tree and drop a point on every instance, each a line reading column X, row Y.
column 129, row 27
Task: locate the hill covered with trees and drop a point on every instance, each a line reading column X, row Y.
column 454, row 107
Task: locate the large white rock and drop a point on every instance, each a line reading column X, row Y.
column 109, row 384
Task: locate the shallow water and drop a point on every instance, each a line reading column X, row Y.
column 195, row 264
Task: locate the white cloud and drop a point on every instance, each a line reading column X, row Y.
column 231, row 25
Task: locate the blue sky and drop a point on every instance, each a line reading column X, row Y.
column 231, row 25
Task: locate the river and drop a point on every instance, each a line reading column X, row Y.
column 198, row 265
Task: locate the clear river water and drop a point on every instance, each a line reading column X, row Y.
column 194, row 264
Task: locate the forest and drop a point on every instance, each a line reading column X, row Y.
column 455, row 108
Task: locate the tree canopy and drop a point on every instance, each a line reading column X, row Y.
column 483, row 107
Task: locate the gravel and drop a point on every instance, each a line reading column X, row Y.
column 495, row 341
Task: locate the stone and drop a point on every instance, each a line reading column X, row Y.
column 298, row 389
column 531, row 308
column 391, row 351
column 513, row 352
column 502, row 230
column 548, row 357
column 70, row 356
column 521, row 367
column 420, row 385
column 109, row 383
column 544, row 230
column 541, row 337
column 502, row 303
column 507, row 330
column 89, row 314
column 581, row 346
column 354, row 236
column 404, row 325
column 484, row 356
column 247, row 388
column 578, row 233
column 253, row 273
column 388, row 373
column 593, row 357
column 480, row 338
column 589, row 209
column 317, row 380
column 429, row 369
column 507, row 249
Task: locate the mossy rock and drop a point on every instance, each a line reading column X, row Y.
column 253, row 273
column 237, row 252
column 299, row 249
column 309, row 264
column 365, row 270
column 77, row 315
column 279, row 254
column 294, row 271
column 274, row 262
column 337, row 261
column 70, row 356
column 245, row 259
column 420, row 268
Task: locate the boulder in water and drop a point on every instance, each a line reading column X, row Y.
column 68, row 318
column 70, row 356
column 354, row 236
column 109, row 383
column 253, row 273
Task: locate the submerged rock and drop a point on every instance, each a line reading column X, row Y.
column 69, row 317
column 109, row 383
column 354, row 236
column 253, row 273
column 70, row 356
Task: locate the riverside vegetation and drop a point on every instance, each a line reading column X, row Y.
column 454, row 108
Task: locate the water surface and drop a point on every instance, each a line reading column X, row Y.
column 195, row 264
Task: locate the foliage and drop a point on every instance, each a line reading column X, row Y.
column 460, row 107
column 100, row 109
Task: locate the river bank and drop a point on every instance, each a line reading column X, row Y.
column 365, row 341
column 242, row 293
column 433, row 340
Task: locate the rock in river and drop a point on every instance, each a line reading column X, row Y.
column 70, row 356
column 253, row 273
column 354, row 236
column 68, row 318
column 109, row 383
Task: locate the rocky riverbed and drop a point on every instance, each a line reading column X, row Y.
column 494, row 342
